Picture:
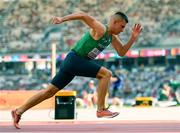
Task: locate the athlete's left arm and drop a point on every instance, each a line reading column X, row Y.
column 122, row 49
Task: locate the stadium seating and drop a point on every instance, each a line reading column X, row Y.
column 25, row 25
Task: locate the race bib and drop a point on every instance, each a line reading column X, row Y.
column 93, row 53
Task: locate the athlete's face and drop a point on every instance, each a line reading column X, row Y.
column 118, row 26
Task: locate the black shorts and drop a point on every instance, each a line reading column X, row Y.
column 72, row 66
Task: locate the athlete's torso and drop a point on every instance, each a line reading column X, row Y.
column 90, row 48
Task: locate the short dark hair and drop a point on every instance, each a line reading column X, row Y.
column 122, row 15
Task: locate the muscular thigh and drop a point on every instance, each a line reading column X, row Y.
column 61, row 79
column 87, row 69
column 80, row 66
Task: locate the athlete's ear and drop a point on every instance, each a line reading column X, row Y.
column 116, row 21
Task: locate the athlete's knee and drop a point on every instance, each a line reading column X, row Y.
column 104, row 73
column 108, row 74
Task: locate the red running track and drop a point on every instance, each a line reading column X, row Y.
column 108, row 126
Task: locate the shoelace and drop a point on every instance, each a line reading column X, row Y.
column 19, row 116
column 105, row 108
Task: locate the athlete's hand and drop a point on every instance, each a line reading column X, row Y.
column 136, row 30
column 56, row 20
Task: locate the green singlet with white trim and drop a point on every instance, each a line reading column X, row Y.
column 90, row 48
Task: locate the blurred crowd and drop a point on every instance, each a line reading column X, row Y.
column 25, row 24
column 25, row 27
column 160, row 82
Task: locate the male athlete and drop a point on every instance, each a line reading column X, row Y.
column 78, row 62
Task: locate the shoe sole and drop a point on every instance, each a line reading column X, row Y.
column 112, row 116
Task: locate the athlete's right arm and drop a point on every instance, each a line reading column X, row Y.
column 94, row 24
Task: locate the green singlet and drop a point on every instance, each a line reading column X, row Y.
column 90, row 48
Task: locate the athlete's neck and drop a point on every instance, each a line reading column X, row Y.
column 109, row 30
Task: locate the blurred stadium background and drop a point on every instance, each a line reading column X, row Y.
column 150, row 69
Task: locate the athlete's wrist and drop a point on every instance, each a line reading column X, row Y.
column 133, row 38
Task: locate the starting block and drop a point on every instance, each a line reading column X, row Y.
column 144, row 101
